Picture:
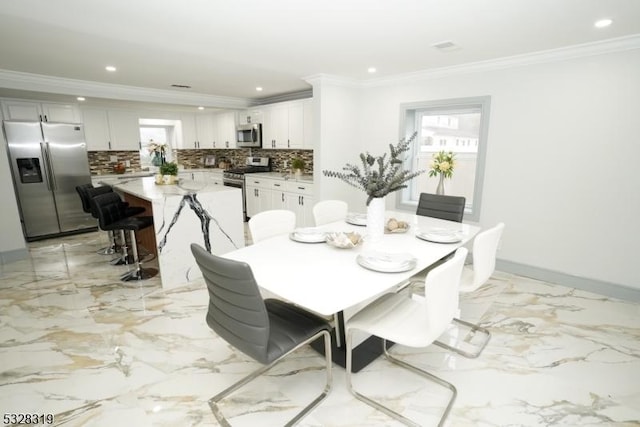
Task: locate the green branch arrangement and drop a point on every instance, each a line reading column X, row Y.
column 379, row 176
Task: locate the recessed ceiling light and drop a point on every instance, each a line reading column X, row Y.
column 371, row 70
column 200, row 108
column 603, row 23
column 110, row 68
column 81, row 98
column 259, row 89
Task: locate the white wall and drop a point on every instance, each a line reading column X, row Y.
column 562, row 159
column 12, row 243
column 337, row 140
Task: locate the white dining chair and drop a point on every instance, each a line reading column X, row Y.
column 485, row 247
column 410, row 322
column 271, row 223
column 326, row 211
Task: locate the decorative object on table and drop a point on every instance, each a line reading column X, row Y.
column 344, row 240
column 297, row 164
column 442, row 164
column 396, row 226
column 378, row 177
column 158, row 152
column 169, row 172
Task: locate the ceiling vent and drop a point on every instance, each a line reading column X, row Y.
column 446, row 46
column 182, row 86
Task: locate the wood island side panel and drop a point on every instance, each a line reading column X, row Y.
column 147, row 236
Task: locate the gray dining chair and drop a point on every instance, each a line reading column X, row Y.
column 411, row 322
column 265, row 330
column 440, row 206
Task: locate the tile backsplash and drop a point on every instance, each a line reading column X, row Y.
column 100, row 161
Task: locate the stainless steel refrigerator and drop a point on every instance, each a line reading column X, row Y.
column 48, row 160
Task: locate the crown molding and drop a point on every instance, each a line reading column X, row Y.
column 319, row 79
column 620, row 44
column 292, row 96
column 63, row 86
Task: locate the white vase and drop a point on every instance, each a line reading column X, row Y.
column 440, row 188
column 375, row 219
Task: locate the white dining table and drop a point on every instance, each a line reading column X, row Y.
column 328, row 280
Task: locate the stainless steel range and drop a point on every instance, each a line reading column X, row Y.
column 235, row 177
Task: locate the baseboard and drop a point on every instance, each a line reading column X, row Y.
column 14, row 255
column 590, row 285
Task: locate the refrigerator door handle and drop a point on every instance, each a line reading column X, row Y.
column 51, row 183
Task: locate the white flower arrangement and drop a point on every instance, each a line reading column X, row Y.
column 157, row 152
column 442, row 163
column 157, row 148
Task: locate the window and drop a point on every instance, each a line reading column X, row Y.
column 457, row 125
column 158, row 131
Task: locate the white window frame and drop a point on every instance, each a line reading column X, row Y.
column 408, row 124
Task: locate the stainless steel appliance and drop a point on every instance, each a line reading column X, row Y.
column 249, row 135
column 48, row 160
column 235, row 177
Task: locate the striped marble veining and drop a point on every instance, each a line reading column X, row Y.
column 79, row 343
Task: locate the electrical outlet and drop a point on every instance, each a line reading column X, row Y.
column 113, row 159
column 127, row 163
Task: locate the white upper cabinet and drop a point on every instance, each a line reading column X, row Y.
column 96, row 129
column 111, row 129
column 252, row 115
column 37, row 111
column 205, row 130
column 285, row 125
column 197, row 131
column 225, row 130
column 124, row 129
column 189, row 133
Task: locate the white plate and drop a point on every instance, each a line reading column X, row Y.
column 356, row 219
column 386, row 263
column 440, row 235
column 308, row 235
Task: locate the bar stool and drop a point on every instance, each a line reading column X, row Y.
column 83, row 191
column 127, row 211
column 111, row 216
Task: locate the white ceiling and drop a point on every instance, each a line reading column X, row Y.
column 225, row 48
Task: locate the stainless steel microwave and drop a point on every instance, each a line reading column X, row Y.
column 249, row 135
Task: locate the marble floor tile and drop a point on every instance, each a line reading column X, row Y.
column 94, row 351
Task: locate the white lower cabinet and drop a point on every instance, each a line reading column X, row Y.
column 291, row 195
column 299, row 198
column 258, row 195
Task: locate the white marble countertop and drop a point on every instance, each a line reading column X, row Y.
column 306, row 179
column 147, row 189
column 123, row 175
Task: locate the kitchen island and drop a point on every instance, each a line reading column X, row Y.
column 192, row 212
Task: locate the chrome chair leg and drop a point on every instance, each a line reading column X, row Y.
column 139, row 273
column 213, row 402
column 386, row 410
column 484, row 332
